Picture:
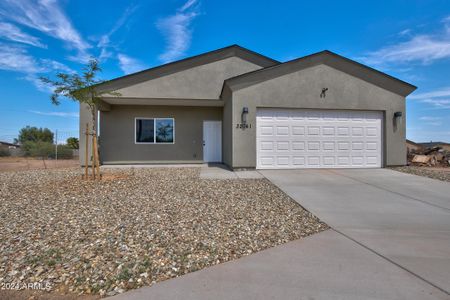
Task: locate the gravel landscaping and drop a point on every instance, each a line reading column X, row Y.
column 442, row 174
column 136, row 226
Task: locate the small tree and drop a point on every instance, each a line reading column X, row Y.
column 73, row 143
column 81, row 89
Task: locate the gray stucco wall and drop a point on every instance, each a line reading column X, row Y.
column 117, row 135
column 302, row 89
column 201, row 82
column 227, row 128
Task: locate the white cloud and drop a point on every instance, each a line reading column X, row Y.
column 105, row 39
column 423, row 48
column 129, row 64
column 47, row 17
column 430, row 118
column 13, row 33
column 56, row 114
column 438, row 103
column 50, row 64
column 443, row 92
column 40, row 86
column 177, row 31
column 17, row 59
column 14, row 58
column 188, row 5
column 439, row 98
column 404, row 32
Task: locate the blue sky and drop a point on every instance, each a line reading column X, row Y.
column 407, row 39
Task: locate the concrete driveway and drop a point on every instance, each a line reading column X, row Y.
column 390, row 240
column 403, row 218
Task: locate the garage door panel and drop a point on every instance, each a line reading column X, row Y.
column 343, row 131
column 318, row 138
column 283, row 146
column 298, row 146
column 328, row 130
column 298, row 130
column 313, row 130
column 298, row 161
column 328, row 146
column 282, row 130
column 313, row 146
column 371, row 146
column 357, row 131
column 266, row 130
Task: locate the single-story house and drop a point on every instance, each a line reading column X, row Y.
column 412, row 147
column 247, row 110
column 6, row 145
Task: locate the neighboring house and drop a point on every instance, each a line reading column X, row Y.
column 6, row 145
column 412, row 147
column 442, row 145
column 246, row 110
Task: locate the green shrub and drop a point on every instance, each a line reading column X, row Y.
column 64, row 152
column 4, row 152
column 38, row 149
column 46, row 150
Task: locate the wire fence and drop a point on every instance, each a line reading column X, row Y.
column 59, row 137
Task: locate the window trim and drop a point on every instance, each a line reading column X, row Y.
column 154, row 130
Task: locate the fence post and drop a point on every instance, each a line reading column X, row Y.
column 56, row 146
column 86, row 161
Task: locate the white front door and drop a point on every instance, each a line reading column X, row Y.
column 212, row 141
column 302, row 138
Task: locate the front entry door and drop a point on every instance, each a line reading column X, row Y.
column 212, row 141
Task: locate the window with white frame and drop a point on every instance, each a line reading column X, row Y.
column 154, row 130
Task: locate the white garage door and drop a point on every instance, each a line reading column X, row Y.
column 300, row 138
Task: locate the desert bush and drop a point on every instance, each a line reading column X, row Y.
column 64, row 152
column 46, row 150
column 4, row 152
column 38, row 149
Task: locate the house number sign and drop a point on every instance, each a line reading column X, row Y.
column 243, row 125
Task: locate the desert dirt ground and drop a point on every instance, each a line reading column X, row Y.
column 439, row 173
column 25, row 163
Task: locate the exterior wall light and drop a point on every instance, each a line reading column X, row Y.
column 244, row 115
column 397, row 118
column 398, row 114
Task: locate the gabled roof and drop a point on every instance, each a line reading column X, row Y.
column 329, row 58
column 9, row 144
column 187, row 63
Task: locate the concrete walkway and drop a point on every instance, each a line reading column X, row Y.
column 220, row 171
column 404, row 218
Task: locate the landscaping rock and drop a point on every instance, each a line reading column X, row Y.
column 136, row 227
column 439, row 173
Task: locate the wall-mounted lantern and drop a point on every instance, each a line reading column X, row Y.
column 398, row 116
column 323, row 94
column 244, row 115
